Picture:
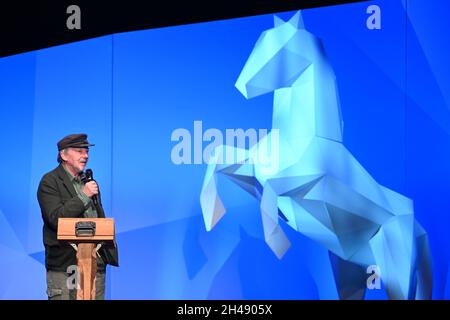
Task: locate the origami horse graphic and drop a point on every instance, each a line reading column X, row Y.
column 318, row 187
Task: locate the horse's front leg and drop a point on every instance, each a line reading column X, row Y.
column 273, row 233
column 235, row 164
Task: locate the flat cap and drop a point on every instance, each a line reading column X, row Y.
column 77, row 140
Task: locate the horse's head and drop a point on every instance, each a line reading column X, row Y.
column 279, row 57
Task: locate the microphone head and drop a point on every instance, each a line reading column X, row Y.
column 83, row 177
column 89, row 174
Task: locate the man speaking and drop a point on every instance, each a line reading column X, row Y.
column 63, row 193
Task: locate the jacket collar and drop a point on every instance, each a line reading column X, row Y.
column 62, row 175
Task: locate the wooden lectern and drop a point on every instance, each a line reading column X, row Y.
column 86, row 234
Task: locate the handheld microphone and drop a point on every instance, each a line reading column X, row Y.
column 86, row 177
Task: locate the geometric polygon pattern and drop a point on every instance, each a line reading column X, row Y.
column 315, row 184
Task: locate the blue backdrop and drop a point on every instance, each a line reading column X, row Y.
column 130, row 91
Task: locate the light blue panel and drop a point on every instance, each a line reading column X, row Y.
column 17, row 93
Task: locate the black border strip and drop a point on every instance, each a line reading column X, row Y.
column 227, row 309
column 32, row 25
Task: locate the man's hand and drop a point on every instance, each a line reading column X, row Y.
column 90, row 189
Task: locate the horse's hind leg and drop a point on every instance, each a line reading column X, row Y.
column 351, row 278
column 394, row 252
column 424, row 276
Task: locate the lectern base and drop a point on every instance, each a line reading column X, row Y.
column 87, row 268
